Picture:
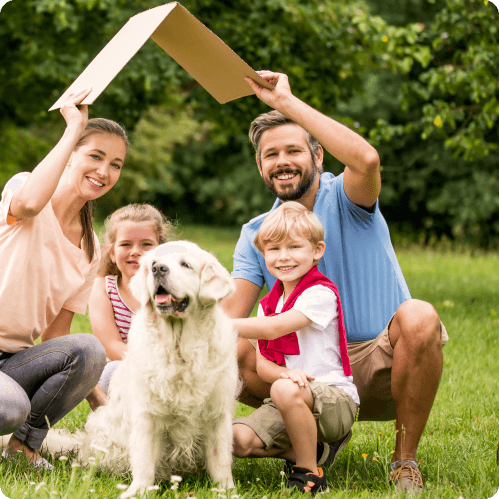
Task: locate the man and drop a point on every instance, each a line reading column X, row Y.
column 394, row 342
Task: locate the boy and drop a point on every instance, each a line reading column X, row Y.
column 302, row 352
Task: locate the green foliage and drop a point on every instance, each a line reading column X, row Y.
column 419, row 78
column 439, row 141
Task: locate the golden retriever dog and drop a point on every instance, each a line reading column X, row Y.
column 171, row 399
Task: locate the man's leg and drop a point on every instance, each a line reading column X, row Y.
column 417, row 368
column 255, row 390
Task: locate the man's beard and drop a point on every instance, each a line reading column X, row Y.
column 303, row 187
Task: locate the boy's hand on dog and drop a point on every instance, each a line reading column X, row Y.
column 298, row 376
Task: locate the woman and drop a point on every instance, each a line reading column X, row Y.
column 49, row 256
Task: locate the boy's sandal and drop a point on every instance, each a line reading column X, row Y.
column 301, row 478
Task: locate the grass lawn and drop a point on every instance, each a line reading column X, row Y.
column 457, row 453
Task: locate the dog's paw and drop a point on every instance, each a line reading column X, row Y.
column 134, row 491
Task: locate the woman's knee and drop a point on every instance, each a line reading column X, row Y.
column 15, row 406
column 89, row 356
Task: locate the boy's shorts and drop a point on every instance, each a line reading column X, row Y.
column 334, row 412
column 371, row 363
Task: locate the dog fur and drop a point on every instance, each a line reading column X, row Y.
column 171, row 399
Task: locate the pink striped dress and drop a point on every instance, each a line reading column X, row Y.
column 122, row 314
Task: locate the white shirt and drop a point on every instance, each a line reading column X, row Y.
column 319, row 343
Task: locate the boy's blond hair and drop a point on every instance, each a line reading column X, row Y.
column 290, row 219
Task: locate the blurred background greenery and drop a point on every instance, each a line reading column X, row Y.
column 418, row 78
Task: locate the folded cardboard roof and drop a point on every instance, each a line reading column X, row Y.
column 189, row 42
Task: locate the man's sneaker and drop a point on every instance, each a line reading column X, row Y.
column 406, row 477
column 327, row 453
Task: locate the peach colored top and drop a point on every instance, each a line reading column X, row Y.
column 41, row 272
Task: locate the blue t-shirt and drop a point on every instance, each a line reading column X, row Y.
column 359, row 259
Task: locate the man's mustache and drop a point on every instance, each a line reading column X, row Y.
column 284, row 170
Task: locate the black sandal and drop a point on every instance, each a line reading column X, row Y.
column 300, row 478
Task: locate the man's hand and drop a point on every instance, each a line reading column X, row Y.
column 298, row 376
column 279, row 94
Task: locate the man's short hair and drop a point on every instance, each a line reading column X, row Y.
column 290, row 219
column 270, row 120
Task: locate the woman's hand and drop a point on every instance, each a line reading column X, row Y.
column 74, row 116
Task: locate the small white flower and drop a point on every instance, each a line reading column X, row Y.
column 235, row 496
column 32, row 483
column 39, row 486
column 264, row 497
column 174, row 486
column 175, row 478
column 153, row 487
column 221, row 495
column 122, row 486
column 63, row 458
column 217, row 490
column 257, row 479
column 282, row 473
column 92, row 490
column 54, row 492
column 74, row 464
column 91, row 459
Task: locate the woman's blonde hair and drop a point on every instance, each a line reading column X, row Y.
column 162, row 227
column 290, row 219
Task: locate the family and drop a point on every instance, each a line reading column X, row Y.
column 337, row 338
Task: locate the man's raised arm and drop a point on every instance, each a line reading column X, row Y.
column 362, row 180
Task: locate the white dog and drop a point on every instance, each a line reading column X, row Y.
column 171, row 399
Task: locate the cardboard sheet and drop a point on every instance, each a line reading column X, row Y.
column 189, row 42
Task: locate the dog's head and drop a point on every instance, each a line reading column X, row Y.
column 178, row 276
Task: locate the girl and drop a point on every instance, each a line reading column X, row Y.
column 49, row 256
column 129, row 232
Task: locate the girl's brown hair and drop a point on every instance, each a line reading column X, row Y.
column 96, row 125
column 162, row 227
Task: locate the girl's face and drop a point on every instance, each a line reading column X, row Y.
column 96, row 165
column 133, row 239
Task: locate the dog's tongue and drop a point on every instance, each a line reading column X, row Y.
column 163, row 299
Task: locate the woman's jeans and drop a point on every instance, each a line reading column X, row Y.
column 41, row 384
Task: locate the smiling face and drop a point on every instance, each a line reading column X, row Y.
column 96, row 165
column 133, row 239
column 286, row 164
column 290, row 259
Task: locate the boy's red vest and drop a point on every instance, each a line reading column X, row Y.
column 274, row 350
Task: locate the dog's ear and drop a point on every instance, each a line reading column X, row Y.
column 216, row 283
column 138, row 283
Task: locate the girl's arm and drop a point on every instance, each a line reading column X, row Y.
column 102, row 321
column 42, row 183
column 269, row 328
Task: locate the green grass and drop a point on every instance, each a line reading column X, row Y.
column 457, row 452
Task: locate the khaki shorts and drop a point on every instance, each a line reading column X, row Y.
column 334, row 412
column 371, row 363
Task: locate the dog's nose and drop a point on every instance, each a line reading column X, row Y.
column 160, row 268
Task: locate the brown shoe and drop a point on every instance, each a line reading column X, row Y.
column 406, row 477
